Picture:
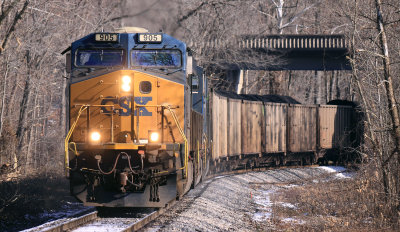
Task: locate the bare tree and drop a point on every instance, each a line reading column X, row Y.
column 370, row 25
column 33, row 33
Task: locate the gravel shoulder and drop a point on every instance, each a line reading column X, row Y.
column 236, row 202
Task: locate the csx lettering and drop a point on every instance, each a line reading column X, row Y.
column 125, row 104
column 142, row 110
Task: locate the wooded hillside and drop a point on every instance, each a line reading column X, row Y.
column 32, row 70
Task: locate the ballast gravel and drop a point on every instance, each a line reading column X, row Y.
column 232, row 203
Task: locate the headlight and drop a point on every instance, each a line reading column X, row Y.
column 154, row 136
column 126, row 88
column 95, row 136
column 126, row 83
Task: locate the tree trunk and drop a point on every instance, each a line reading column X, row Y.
column 3, row 98
column 392, row 104
column 337, row 85
column 330, row 86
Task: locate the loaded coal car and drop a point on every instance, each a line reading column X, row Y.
column 136, row 127
column 340, row 131
column 253, row 131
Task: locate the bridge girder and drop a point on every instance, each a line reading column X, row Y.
column 284, row 52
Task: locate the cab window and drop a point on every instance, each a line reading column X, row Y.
column 98, row 57
column 157, row 58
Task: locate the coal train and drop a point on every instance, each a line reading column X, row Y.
column 144, row 126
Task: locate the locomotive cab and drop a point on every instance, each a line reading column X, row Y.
column 129, row 126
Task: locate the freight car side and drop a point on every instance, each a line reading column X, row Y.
column 247, row 130
column 302, row 128
column 275, row 131
column 337, row 131
column 251, row 125
column 335, row 125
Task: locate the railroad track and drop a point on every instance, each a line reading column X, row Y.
column 260, row 169
column 93, row 220
column 134, row 224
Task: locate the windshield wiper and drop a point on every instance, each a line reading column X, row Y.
column 177, row 70
column 89, row 70
column 162, row 70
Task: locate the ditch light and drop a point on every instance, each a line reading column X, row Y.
column 154, row 137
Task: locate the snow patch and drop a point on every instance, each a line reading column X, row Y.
column 106, row 225
column 293, row 221
column 264, row 203
column 287, row 205
column 333, row 168
column 341, row 172
column 261, row 216
column 68, row 211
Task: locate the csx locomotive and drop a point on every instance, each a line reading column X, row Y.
column 141, row 131
column 133, row 135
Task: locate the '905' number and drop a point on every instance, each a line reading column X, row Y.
column 106, row 37
column 150, row 38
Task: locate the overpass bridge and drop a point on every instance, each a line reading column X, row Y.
column 285, row 52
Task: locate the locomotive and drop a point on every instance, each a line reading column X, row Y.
column 144, row 127
column 133, row 136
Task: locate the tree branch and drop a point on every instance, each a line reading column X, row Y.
column 5, row 12
column 17, row 18
column 132, row 15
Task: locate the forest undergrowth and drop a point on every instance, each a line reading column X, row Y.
column 29, row 202
column 349, row 204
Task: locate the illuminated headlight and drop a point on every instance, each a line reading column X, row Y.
column 95, row 136
column 154, row 136
column 126, row 83
column 126, row 88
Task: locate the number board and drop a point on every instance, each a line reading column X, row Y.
column 150, row 38
column 106, row 37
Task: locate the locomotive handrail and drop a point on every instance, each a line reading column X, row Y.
column 205, row 148
column 71, row 130
column 74, row 150
column 180, row 131
column 66, row 146
column 84, row 107
column 184, row 138
column 198, row 152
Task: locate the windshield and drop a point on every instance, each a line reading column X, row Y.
column 157, row 58
column 99, row 57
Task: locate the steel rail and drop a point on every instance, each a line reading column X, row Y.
column 88, row 218
column 74, row 223
column 149, row 218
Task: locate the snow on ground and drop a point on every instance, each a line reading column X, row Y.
column 227, row 203
column 237, row 202
column 107, row 225
column 287, row 205
column 293, row 221
column 264, row 204
column 68, row 212
column 341, row 172
column 262, row 196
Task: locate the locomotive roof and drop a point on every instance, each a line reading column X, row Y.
column 128, row 42
column 253, row 97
